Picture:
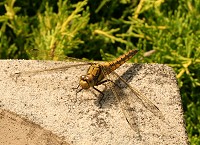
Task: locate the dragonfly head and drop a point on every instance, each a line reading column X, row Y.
column 86, row 81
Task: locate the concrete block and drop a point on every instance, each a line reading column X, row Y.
column 49, row 100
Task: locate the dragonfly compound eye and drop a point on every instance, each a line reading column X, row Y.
column 86, row 81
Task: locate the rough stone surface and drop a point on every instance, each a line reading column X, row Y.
column 16, row 130
column 49, row 100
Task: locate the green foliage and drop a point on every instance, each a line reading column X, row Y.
column 164, row 32
column 46, row 35
column 57, row 33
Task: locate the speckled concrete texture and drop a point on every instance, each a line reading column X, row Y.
column 49, row 100
column 16, row 130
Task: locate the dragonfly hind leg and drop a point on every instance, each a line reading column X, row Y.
column 102, row 82
column 101, row 98
column 108, row 81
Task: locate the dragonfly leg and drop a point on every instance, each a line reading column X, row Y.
column 100, row 100
column 77, row 91
column 99, row 83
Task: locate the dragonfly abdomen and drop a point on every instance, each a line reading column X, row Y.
column 113, row 65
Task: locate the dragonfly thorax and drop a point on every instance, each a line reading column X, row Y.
column 86, row 81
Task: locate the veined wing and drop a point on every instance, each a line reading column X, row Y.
column 140, row 98
column 67, row 59
column 124, row 104
column 34, row 72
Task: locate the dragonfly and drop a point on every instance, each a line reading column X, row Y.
column 98, row 74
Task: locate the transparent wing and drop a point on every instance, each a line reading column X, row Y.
column 127, row 96
column 140, row 98
column 124, row 104
column 29, row 73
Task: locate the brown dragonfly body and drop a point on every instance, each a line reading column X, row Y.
column 96, row 72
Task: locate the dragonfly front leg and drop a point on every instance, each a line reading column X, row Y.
column 77, row 91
